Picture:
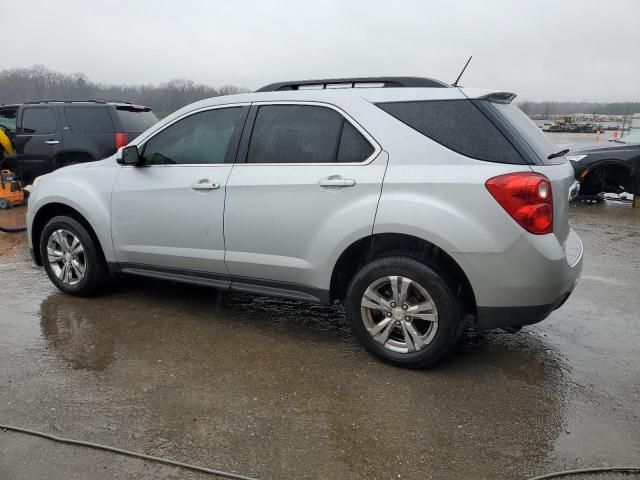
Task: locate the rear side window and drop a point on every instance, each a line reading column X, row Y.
column 89, row 119
column 305, row 134
column 458, row 125
column 38, row 121
column 135, row 120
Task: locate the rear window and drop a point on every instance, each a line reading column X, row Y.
column 529, row 132
column 135, row 120
column 89, row 119
column 458, row 125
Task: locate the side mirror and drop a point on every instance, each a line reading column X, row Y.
column 129, row 156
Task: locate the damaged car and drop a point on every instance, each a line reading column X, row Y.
column 611, row 167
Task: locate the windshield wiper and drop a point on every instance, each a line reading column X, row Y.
column 558, row 154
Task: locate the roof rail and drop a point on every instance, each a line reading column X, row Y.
column 91, row 100
column 362, row 82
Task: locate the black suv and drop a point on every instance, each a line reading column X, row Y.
column 52, row 134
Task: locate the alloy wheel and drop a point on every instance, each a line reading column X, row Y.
column 399, row 314
column 66, row 256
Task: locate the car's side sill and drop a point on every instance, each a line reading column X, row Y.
column 226, row 282
column 177, row 275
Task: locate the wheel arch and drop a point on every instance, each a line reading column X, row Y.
column 381, row 245
column 604, row 168
column 51, row 210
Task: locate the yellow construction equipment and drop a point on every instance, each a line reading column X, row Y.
column 6, row 147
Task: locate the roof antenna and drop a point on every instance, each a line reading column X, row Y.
column 455, row 84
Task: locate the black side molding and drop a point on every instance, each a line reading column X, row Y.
column 225, row 282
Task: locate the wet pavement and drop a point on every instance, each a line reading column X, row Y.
column 279, row 389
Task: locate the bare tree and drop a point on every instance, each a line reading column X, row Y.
column 19, row 85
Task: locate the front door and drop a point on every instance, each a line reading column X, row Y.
column 167, row 216
column 38, row 140
column 311, row 180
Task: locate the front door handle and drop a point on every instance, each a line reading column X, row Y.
column 337, row 181
column 204, row 185
column 52, row 142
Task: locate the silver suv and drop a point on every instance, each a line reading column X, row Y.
column 419, row 205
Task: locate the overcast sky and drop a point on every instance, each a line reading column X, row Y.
column 539, row 49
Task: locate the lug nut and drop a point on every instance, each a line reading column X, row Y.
column 407, row 318
column 393, row 305
column 388, row 314
column 404, row 307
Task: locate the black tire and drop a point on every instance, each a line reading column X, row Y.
column 4, row 204
column 96, row 271
column 450, row 316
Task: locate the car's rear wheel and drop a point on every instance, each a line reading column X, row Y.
column 403, row 311
column 71, row 257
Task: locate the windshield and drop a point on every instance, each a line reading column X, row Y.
column 8, row 123
column 632, row 137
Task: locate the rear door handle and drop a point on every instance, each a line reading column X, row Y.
column 337, row 181
column 204, row 185
column 52, row 142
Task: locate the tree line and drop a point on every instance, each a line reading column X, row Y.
column 559, row 108
column 18, row 85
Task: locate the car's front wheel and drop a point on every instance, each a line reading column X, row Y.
column 71, row 257
column 403, row 311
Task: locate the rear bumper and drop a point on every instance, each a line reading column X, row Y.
column 500, row 317
column 524, row 284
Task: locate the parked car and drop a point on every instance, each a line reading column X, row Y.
column 608, row 167
column 48, row 135
column 332, row 191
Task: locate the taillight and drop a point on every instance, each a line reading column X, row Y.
column 121, row 139
column 526, row 196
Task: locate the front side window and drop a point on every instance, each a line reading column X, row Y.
column 305, row 134
column 39, row 121
column 201, row 138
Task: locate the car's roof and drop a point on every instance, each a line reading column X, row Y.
column 374, row 95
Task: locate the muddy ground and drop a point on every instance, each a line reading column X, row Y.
column 279, row 389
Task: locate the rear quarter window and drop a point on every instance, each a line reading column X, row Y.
column 458, row 125
column 135, row 120
column 89, row 119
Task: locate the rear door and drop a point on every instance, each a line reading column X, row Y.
column 38, row 140
column 167, row 215
column 307, row 177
